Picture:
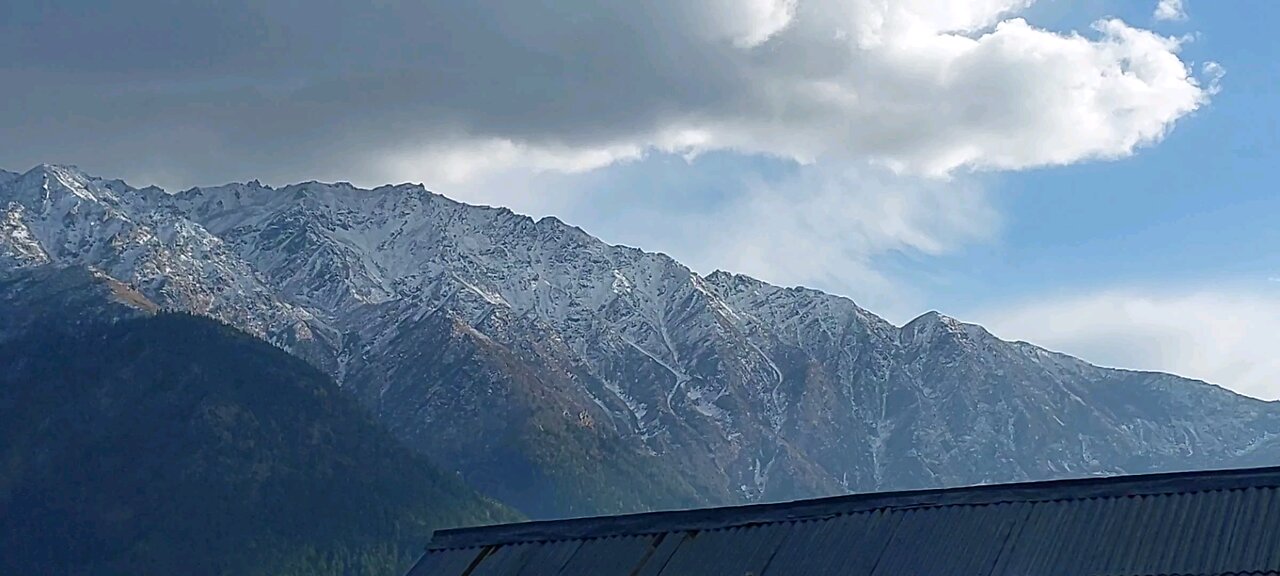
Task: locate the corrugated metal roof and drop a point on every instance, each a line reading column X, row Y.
column 1213, row 523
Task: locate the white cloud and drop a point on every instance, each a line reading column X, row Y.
column 1226, row 336
column 1213, row 73
column 929, row 102
column 1170, row 10
column 463, row 162
column 922, row 88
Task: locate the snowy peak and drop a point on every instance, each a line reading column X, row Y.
column 55, row 212
column 932, row 327
column 929, row 324
column 62, row 216
column 60, row 205
column 50, row 184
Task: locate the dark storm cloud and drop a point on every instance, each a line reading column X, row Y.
column 203, row 90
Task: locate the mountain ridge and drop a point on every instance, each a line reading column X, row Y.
column 458, row 324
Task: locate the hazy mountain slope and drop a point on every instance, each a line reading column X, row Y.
column 570, row 376
column 175, row 444
column 520, row 422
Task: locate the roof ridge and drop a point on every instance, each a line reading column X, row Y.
column 816, row 509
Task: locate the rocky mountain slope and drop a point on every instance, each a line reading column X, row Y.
column 567, row 376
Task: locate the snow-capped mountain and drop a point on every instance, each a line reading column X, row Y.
column 59, row 215
column 568, row 376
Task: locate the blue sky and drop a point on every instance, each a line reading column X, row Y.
column 1077, row 174
column 1178, row 239
column 1198, row 207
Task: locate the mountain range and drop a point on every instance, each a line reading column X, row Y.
column 566, row 376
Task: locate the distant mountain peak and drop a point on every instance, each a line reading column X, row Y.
column 67, row 176
column 57, row 187
column 52, row 168
column 934, row 322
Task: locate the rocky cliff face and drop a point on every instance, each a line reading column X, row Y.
column 568, row 376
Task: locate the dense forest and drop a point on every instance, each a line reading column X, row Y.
column 177, row 445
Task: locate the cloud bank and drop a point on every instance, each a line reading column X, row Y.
column 442, row 91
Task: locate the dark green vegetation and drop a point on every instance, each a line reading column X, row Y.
column 176, row 445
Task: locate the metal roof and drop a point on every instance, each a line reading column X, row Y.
column 1212, row 523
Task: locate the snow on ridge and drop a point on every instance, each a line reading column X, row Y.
column 76, row 219
column 739, row 366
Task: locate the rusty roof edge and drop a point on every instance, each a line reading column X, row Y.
column 727, row 517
